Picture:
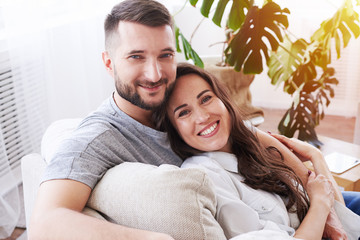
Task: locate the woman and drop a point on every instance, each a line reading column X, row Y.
column 255, row 189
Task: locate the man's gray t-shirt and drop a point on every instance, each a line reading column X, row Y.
column 104, row 139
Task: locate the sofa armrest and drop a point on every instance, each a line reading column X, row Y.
column 32, row 168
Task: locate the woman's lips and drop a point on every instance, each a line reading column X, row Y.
column 209, row 130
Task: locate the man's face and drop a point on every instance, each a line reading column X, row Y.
column 144, row 63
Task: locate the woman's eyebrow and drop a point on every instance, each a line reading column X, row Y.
column 200, row 94
column 181, row 106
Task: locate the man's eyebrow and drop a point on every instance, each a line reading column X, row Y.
column 169, row 49
column 181, row 106
column 142, row 51
column 200, row 94
column 136, row 51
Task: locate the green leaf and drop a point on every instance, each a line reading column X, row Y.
column 205, row 7
column 345, row 34
column 284, row 62
column 346, row 21
column 303, row 74
column 219, row 12
column 177, row 35
column 237, row 13
column 189, row 52
column 193, row 2
column 247, row 48
column 186, row 47
column 299, row 119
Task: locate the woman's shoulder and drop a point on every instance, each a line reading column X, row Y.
column 199, row 161
column 213, row 161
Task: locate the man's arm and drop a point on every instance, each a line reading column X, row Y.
column 290, row 159
column 307, row 152
column 57, row 215
column 333, row 227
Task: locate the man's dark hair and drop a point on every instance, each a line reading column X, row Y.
column 147, row 12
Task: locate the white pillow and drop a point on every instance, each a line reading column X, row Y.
column 167, row 199
column 54, row 134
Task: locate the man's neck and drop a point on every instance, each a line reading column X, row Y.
column 139, row 114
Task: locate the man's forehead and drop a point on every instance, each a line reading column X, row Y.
column 137, row 38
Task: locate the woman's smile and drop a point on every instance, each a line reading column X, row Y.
column 210, row 131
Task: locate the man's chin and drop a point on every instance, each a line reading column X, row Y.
column 147, row 105
column 152, row 106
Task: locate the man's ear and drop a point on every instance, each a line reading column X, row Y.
column 108, row 63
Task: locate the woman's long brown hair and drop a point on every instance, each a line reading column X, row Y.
column 263, row 168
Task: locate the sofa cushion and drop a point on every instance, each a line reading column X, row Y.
column 54, row 134
column 179, row 202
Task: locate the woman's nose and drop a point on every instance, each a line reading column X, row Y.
column 201, row 116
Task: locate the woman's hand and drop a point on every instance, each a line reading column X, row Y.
column 301, row 149
column 321, row 195
column 333, row 227
column 320, row 190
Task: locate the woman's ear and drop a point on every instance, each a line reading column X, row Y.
column 108, row 63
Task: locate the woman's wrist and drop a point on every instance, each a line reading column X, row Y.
column 317, row 157
column 319, row 164
column 321, row 205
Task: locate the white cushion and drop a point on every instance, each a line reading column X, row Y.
column 179, row 202
column 54, row 134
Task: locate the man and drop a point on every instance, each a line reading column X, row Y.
column 140, row 56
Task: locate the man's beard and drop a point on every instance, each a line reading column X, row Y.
column 129, row 94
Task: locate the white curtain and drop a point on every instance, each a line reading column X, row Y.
column 9, row 196
column 50, row 68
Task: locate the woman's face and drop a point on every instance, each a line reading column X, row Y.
column 199, row 116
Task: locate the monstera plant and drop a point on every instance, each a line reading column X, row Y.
column 259, row 36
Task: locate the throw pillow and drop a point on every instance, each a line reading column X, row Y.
column 167, row 199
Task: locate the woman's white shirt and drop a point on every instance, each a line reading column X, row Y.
column 240, row 208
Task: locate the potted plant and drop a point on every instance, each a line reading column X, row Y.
column 258, row 36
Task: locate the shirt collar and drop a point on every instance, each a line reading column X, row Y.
column 227, row 160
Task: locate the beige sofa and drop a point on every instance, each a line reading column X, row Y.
column 180, row 202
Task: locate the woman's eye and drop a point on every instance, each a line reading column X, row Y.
column 206, row 99
column 183, row 113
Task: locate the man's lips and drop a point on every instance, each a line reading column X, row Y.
column 210, row 130
column 150, row 86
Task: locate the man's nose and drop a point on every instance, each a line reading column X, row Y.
column 153, row 71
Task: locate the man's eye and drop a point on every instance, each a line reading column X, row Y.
column 206, row 99
column 135, row 57
column 167, row 55
column 183, row 113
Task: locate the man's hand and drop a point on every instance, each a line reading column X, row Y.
column 304, row 151
column 333, row 227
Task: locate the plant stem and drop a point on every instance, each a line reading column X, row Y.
column 196, row 28
column 182, row 8
column 213, row 44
